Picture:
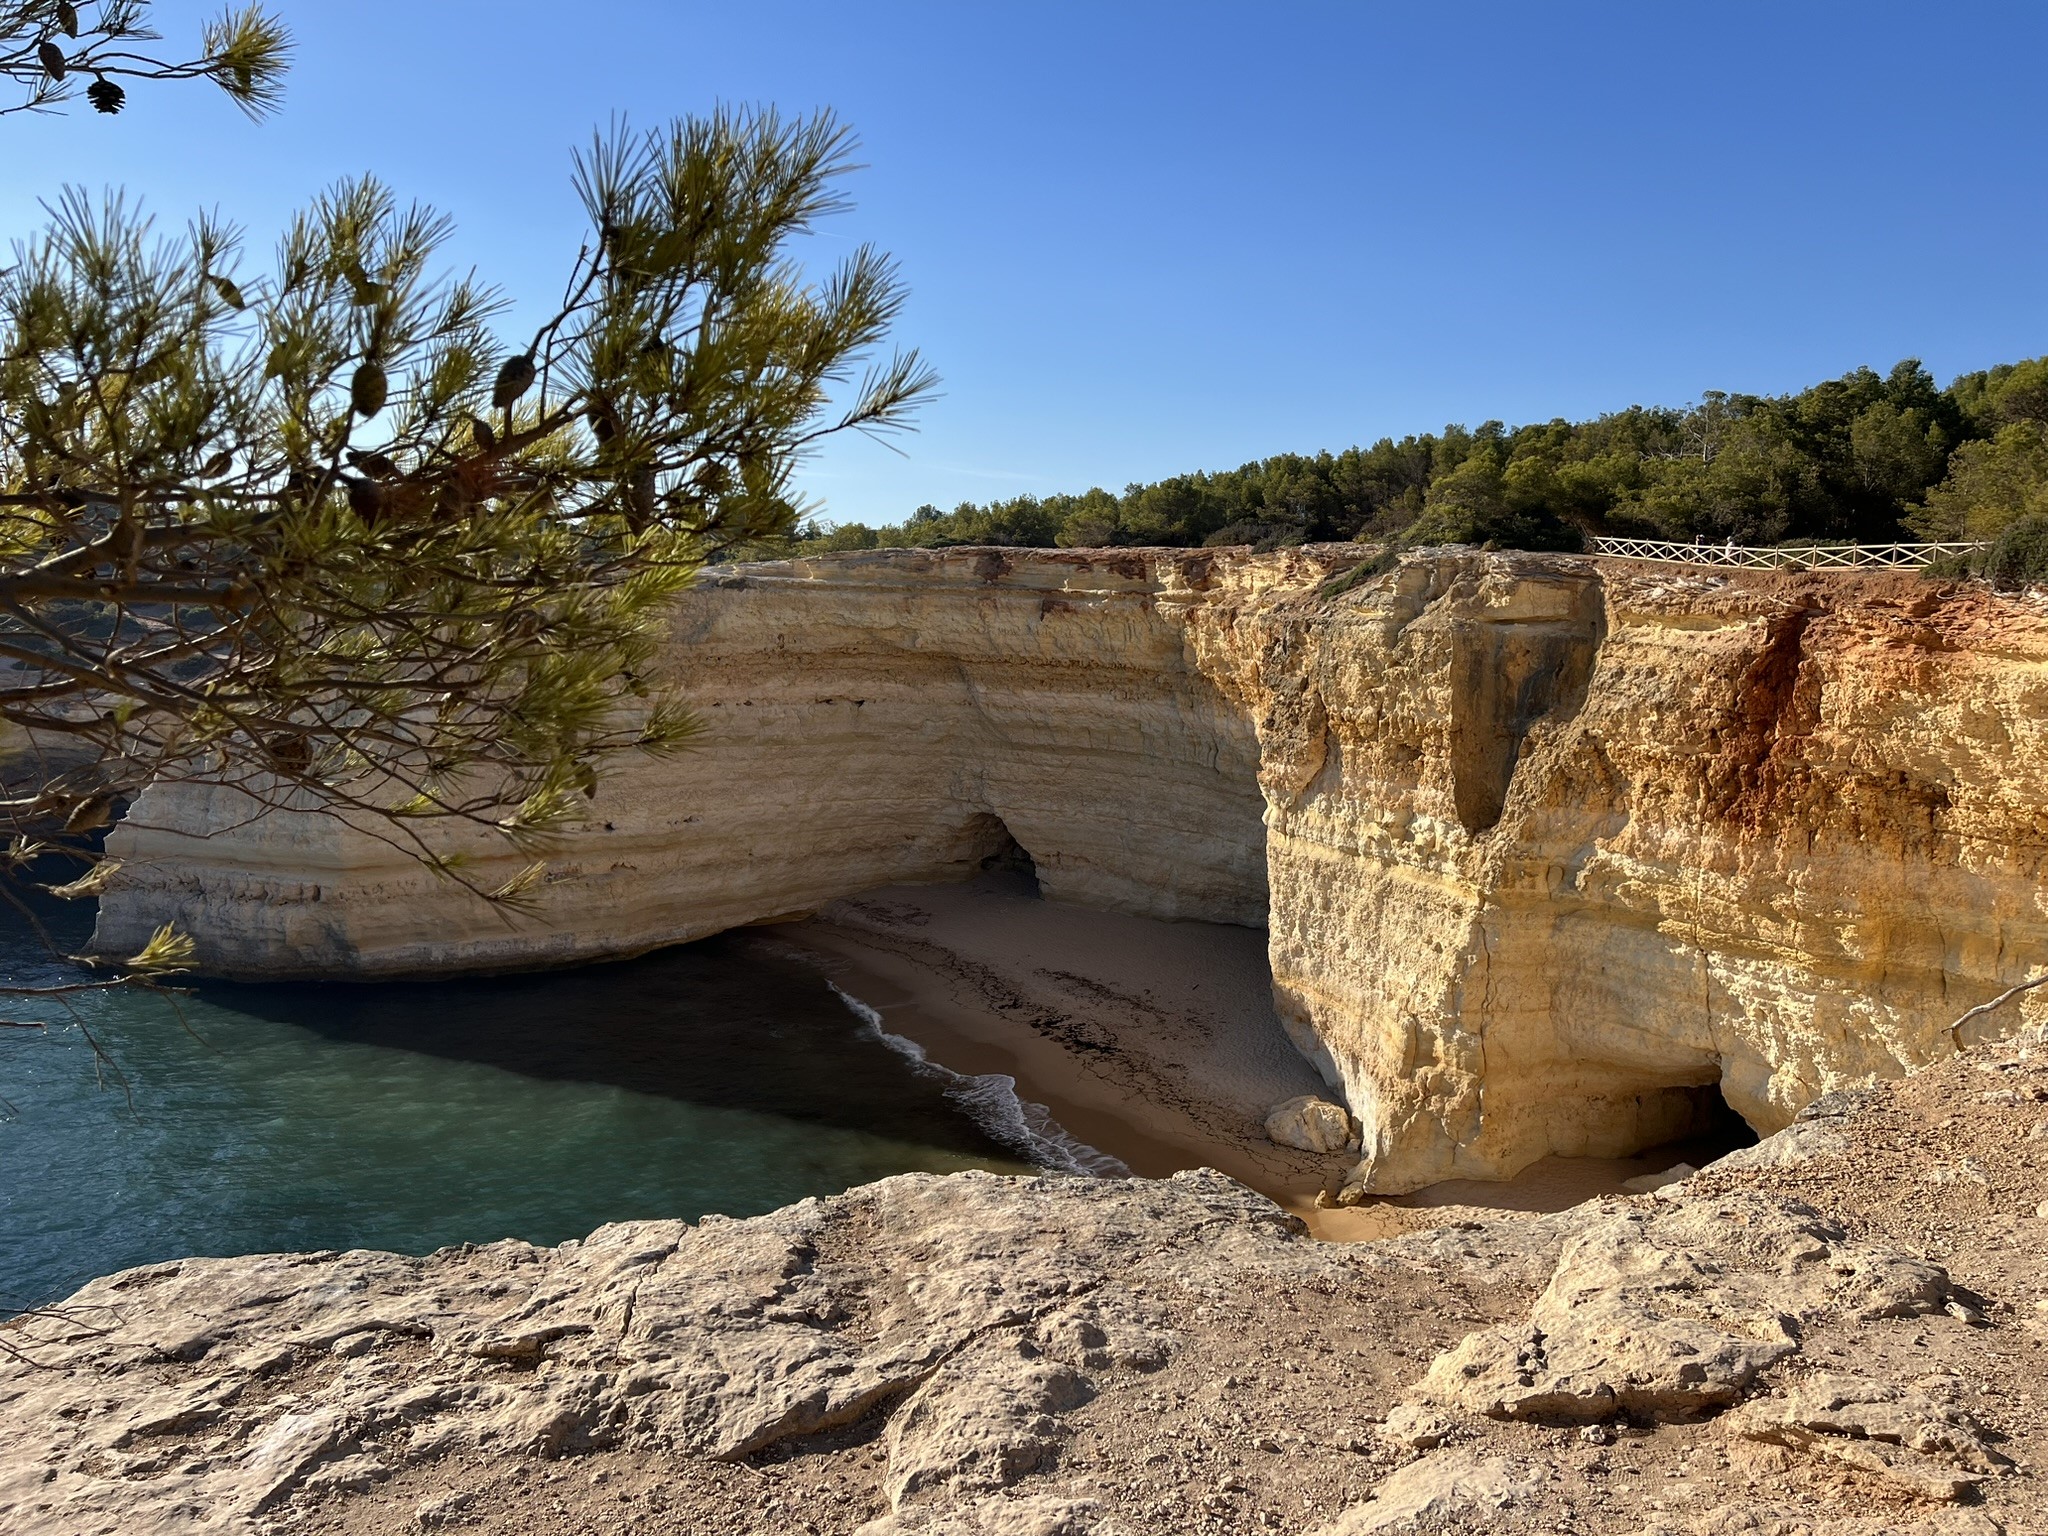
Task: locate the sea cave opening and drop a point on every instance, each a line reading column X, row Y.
column 993, row 850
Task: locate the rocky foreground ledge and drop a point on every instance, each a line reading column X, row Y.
column 1839, row 1331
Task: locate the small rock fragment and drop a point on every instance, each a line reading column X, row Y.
column 1417, row 1427
column 1643, row 1183
column 448, row 1509
column 1968, row 1171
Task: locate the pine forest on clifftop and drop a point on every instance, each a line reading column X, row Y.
column 1865, row 458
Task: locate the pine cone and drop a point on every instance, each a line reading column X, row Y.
column 514, row 379
column 366, row 391
column 91, row 813
column 641, row 504
column 106, row 96
column 292, row 753
column 365, row 499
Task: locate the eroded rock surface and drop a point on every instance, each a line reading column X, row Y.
column 1461, row 1487
column 877, row 720
column 1673, row 1312
column 1820, row 1344
column 1554, row 845
column 1917, row 1437
column 938, row 1295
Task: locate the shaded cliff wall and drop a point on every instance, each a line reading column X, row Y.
column 1554, row 846
column 870, row 719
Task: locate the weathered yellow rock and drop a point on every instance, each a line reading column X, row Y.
column 1551, row 847
column 869, row 720
column 1312, row 1124
column 1553, row 841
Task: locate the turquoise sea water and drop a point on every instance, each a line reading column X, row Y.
column 719, row 1076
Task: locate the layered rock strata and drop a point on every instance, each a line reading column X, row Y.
column 1839, row 1333
column 1552, row 850
column 867, row 721
column 1555, row 844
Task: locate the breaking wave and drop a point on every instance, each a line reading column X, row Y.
column 992, row 1101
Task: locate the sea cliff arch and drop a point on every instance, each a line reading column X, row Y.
column 869, row 720
column 1525, row 852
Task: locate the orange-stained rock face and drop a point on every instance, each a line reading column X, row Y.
column 1553, row 841
column 1549, row 846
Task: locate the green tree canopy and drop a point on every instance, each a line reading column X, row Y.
column 1991, row 484
column 1852, row 458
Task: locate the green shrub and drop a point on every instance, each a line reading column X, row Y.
column 1262, row 536
column 1359, row 574
column 2019, row 556
column 1949, row 568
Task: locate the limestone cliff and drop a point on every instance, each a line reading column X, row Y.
column 1552, row 841
column 1550, row 846
column 869, row 720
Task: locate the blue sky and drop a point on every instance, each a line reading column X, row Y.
column 1146, row 238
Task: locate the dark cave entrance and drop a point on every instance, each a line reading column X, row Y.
column 1713, row 1129
column 993, row 850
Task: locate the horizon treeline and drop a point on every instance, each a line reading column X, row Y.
column 1866, row 458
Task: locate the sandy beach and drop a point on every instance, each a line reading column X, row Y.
column 1153, row 1042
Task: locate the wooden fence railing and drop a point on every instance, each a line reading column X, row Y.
column 1804, row 557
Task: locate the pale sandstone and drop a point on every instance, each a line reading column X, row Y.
column 147, row 1401
column 1311, row 1124
column 1674, row 1313
column 1549, row 847
column 1645, row 1183
column 1919, row 1438
column 1462, row 1486
column 1551, row 840
column 984, row 1356
column 868, row 721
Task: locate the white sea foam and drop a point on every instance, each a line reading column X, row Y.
column 991, row 1099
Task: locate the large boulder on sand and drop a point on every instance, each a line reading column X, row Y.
column 1312, row 1124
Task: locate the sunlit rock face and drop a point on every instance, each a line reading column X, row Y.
column 1555, row 845
column 1551, row 848
column 868, row 720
